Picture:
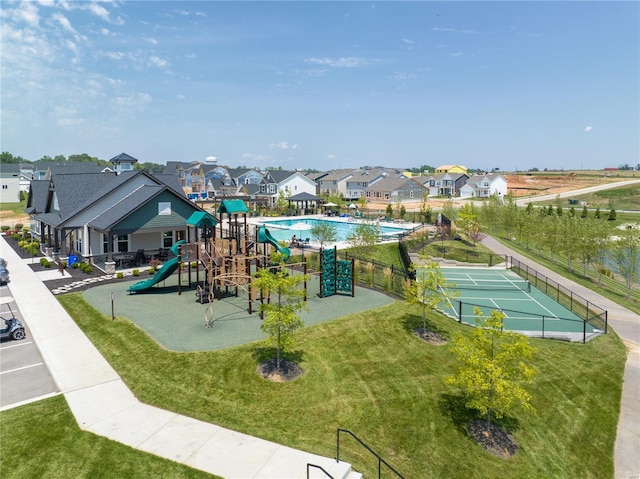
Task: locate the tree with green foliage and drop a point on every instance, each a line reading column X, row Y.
column 281, row 202
column 389, row 210
column 427, row 289
column 597, row 214
column 323, row 232
column 403, row 211
column 6, row 157
column 625, row 253
column 449, row 210
column 281, row 318
column 425, row 209
column 363, row 237
column 585, row 213
column 612, row 215
column 493, row 367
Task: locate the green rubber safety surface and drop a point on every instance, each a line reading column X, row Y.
column 177, row 322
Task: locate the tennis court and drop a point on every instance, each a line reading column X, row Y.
column 527, row 310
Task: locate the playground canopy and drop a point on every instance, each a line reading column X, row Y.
column 231, row 207
column 200, row 219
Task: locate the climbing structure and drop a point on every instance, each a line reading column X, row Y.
column 336, row 276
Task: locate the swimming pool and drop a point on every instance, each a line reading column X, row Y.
column 283, row 230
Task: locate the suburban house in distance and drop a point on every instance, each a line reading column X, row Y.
column 443, row 184
column 290, row 183
column 395, row 190
column 360, row 180
column 451, row 169
column 9, row 183
column 484, row 186
column 334, row 183
column 100, row 215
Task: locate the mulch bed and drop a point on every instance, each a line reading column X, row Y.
column 493, row 439
column 75, row 273
column 430, row 336
column 288, row 370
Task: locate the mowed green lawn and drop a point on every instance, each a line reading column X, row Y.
column 368, row 373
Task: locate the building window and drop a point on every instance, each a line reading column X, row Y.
column 78, row 241
column 164, row 208
column 272, row 188
column 167, row 239
column 121, row 244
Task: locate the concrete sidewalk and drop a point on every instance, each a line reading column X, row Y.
column 104, row 405
column 626, row 324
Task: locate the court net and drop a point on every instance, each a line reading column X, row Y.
column 491, row 285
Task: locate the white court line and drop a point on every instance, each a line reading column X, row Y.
column 23, row 367
column 15, row 345
column 448, row 301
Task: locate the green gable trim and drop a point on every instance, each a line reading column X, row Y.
column 201, row 218
column 147, row 218
column 232, row 207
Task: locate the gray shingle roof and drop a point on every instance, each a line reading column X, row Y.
column 125, row 207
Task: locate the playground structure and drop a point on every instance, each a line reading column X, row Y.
column 225, row 254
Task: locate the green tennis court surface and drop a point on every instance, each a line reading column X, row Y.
column 527, row 310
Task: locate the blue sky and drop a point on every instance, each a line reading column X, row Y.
column 508, row 85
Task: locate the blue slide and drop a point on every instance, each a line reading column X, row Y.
column 265, row 237
column 163, row 273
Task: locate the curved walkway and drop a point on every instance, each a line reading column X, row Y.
column 626, row 324
column 103, row 404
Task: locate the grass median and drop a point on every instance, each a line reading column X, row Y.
column 368, row 373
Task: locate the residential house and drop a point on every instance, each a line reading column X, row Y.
column 360, row 180
column 394, row 190
column 334, row 182
column 290, row 183
column 452, row 169
column 484, row 186
column 94, row 215
column 443, row 184
column 42, row 170
column 9, row 183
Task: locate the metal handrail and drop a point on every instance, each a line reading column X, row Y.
column 318, row 467
column 380, row 460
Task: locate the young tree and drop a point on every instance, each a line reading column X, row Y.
column 584, row 213
column 364, row 236
column 427, row 289
column 324, row 232
column 281, row 317
column 493, row 367
column 625, row 254
column 389, row 211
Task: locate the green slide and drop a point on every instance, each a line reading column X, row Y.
column 265, row 237
column 163, row 273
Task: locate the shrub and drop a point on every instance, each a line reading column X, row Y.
column 5, row 228
column 15, row 236
column 136, row 272
column 151, row 271
column 120, row 275
column 19, row 226
column 75, row 265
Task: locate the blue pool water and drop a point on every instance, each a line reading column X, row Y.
column 283, row 230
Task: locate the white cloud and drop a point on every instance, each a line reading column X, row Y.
column 99, row 11
column 587, row 129
column 135, row 100
column 342, row 62
column 332, row 156
column 254, row 157
column 407, row 41
column 180, row 96
column 25, row 13
column 454, row 30
column 157, row 61
column 283, row 145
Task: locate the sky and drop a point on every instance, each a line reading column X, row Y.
column 509, row 85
